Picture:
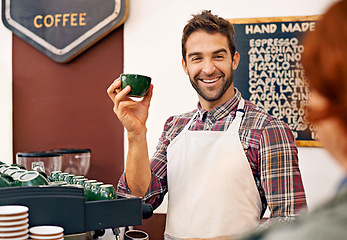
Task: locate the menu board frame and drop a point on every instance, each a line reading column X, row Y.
column 264, row 31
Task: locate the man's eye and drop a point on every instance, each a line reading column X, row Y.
column 219, row 57
column 194, row 59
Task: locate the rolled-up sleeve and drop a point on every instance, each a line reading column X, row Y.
column 280, row 174
column 155, row 193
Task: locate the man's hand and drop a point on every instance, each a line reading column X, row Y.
column 132, row 114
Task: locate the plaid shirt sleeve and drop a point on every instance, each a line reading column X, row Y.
column 158, row 186
column 279, row 172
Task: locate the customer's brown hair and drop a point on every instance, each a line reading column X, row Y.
column 325, row 61
column 209, row 23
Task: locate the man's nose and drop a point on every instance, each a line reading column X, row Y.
column 208, row 67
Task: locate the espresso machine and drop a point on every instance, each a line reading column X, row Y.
column 66, row 207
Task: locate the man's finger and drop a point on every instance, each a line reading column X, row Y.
column 148, row 96
column 112, row 89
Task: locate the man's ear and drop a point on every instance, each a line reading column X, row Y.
column 184, row 65
column 236, row 60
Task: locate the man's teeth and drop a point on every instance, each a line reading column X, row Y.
column 210, row 80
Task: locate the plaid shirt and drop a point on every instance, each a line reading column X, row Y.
column 269, row 145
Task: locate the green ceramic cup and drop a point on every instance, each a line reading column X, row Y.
column 106, row 192
column 87, row 185
column 68, row 178
column 10, row 170
column 4, row 182
column 80, row 181
column 54, row 175
column 17, row 173
column 31, row 178
column 44, row 174
column 75, row 178
column 91, row 194
column 61, row 176
column 7, row 177
column 3, row 167
column 139, row 84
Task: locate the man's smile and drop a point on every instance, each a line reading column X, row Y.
column 212, row 80
column 209, row 80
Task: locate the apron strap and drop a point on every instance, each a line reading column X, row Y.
column 236, row 123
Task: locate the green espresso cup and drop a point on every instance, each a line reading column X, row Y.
column 54, row 175
column 4, row 182
column 69, row 178
column 31, row 178
column 17, row 173
column 76, row 178
column 139, row 84
column 93, row 191
column 106, row 192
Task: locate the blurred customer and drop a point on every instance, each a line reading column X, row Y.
column 325, row 65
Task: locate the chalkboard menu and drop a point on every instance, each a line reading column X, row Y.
column 270, row 73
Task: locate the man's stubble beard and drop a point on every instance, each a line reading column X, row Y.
column 225, row 86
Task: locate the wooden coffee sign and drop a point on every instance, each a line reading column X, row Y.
column 62, row 29
column 270, row 73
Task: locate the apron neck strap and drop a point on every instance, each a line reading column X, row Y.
column 240, row 112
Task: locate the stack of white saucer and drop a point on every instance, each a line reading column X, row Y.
column 14, row 222
column 46, row 233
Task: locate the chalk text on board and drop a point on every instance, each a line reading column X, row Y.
column 262, row 28
column 298, row 27
column 65, row 19
column 285, row 27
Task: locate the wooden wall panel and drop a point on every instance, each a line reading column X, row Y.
column 66, row 105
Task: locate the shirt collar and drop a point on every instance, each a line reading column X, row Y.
column 220, row 111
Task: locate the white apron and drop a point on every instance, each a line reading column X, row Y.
column 211, row 188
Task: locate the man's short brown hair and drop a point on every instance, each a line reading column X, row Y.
column 209, row 23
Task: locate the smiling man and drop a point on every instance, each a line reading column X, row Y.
column 210, row 64
column 221, row 164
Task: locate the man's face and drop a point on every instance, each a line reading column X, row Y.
column 210, row 67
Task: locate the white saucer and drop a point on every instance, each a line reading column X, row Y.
column 14, row 223
column 8, row 210
column 14, row 234
column 13, row 217
column 42, row 237
column 46, row 230
column 24, row 237
column 13, row 228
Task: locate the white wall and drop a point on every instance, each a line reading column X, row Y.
column 5, row 94
column 152, row 37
